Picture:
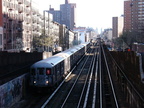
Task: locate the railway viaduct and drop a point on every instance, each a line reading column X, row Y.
column 15, row 87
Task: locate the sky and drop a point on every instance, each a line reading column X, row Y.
column 89, row 13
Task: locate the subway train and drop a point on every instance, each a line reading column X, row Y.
column 50, row 71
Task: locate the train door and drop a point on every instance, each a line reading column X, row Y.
column 66, row 65
column 71, row 61
column 57, row 72
column 53, row 75
column 62, row 68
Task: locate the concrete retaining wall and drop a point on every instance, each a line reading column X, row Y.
column 12, row 61
column 12, row 91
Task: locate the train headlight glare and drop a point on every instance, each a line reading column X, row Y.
column 34, row 82
column 46, row 82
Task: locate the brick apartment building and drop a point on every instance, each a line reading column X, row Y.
column 15, row 18
column 127, row 16
column 134, row 15
column 20, row 21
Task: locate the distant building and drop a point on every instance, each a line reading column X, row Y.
column 127, row 16
column 108, row 33
column 117, row 26
column 66, row 37
column 107, row 36
column 68, row 14
column 81, row 34
column 85, row 34
column 57, row 15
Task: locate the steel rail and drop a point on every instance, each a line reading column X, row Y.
column 74, row 84
column 113, row 91
column 89, row 83
column 82, row 93
column 100, row 75
column 95, row 83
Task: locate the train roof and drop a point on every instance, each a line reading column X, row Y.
column 85, row 43
column 54, row 60
column 70, row 51
column 73, row 50
column 49, row 62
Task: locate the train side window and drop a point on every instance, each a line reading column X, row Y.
column 41, row 71
column 33, row 72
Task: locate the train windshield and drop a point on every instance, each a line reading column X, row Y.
column 33, row 72
column 41, row 71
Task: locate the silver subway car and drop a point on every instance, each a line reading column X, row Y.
column 48, row 72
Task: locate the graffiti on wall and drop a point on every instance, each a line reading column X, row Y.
column 11, row 91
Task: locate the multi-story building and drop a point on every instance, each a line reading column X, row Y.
column 16, row 21
column 55, row 33
column 127, row 16
column 84, row 34
column 117, row 26
column 134, row 15
column 66, row 38
column 137, row 7
column 68, row 14
column 56, row 15
column 81, row 34
column 107, row 36
column 21, row 21
column 63, row 34
column 70, row 39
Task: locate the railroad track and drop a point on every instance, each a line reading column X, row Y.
column 88, row 85
column 74, row 92
column 38, row 100
column 107, row 94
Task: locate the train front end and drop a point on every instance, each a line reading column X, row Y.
column 41, row 75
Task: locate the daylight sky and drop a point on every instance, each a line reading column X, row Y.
column 89, row 13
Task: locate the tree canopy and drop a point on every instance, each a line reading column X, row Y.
column 42, row 41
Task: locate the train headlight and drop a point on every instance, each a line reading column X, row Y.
column 47, row 82
column 34, row 82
